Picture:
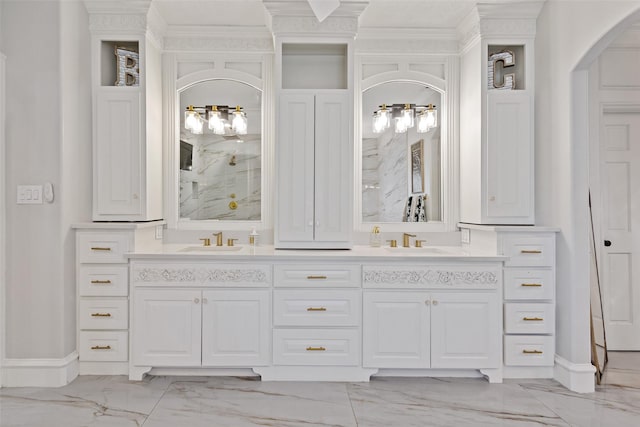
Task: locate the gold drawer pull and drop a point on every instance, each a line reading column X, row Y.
column 316, row 277
column 98, row 248
column 101, row 347
column 101, row 282
column 537, row 285
column 100, row 314
column 531, row 352
column 525, row 251
column 316, row 309
column 532, row 319
column 316, row 349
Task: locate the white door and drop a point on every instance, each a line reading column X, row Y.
column 295, row 169
column 620, row 228
column 166, row 327
column 395, row 329
column 117, row 188
column 236, row 327
column 466, row 330
column 333, row 166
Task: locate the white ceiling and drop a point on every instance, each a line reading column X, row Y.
column 378, row 14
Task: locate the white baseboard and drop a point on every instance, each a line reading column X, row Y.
column 578, row 377
column 39, row 372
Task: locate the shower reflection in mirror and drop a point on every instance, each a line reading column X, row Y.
column 401, row 153
column 221, row 161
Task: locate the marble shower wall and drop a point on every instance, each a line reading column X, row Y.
column 385, row 175
column 223, row 171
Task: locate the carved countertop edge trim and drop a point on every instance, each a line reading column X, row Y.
column 200, row 275
column 434, row 277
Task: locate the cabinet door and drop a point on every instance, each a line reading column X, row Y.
column 333, row 165
column 395, row 330
column 295, row 167
column 509, row 168
column 236, row 327
column 117, row 190
column 166, row 327
column 465, row 330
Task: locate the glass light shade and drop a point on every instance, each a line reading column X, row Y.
column 216, row 124
column 427, row 119
column 239, row 122
column 198, row 126
column 381, row 120
column 407, row 116
column 401, row 125
column 191, row 118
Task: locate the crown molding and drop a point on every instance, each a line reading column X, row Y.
column 332, row 26
column 117, row 6
column 301, row 8
column 218, row 39
column 500, row 18
column 406, row 41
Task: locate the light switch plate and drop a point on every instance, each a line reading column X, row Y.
column 29, row 195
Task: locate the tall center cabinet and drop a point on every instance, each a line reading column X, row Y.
column 314, row 144
column 127, row 114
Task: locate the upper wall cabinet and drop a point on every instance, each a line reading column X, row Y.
column 497, row 115
column 127, row 117
column 496, row 144
column 314, row 147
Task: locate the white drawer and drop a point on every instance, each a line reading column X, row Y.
column 316, row 347
column 529, row 250
column 110, row 281
column 103, row 346
column 521, row 318
column 528, row 284
column 304, row 275
column 529, row 350
column 101, row 247
column 103, row 313
column 309, row 307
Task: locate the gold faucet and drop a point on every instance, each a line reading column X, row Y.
column 230, row 242
column 218, row 238
column 206, row 241
column 405, row 239
column 419, row 243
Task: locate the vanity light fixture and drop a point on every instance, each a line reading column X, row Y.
column 218, row 119
column 405, row 117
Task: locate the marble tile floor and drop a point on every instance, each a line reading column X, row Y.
column 238, row 402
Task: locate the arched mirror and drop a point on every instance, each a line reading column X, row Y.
column 220, row 161
column 401, row 154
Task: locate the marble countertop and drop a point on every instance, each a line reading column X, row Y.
column 177, row 251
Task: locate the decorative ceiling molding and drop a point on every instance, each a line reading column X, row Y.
column 218, row 39
column 111, row 22
column 323, row 8
column 217, row 44
column 333, row 25
column 406, row 40
column 499, row 19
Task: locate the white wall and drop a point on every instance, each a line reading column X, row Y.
column 567, row 31
column 47, row 140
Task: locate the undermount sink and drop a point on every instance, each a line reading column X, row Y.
column 211, row 249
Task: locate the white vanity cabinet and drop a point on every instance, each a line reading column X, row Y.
column 127, row 133
column 529, row 306
column 439, row 317
column 317, row 315
column 199, row 315
column 189, row 327
column 314, row 168
column 103, row 291
column 314, row 143
column 497, row 141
